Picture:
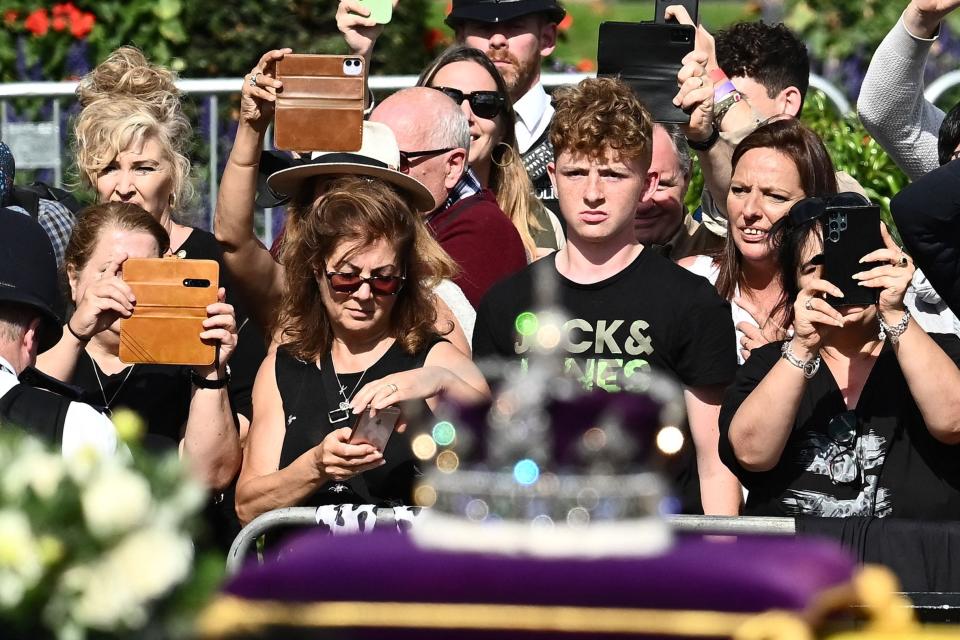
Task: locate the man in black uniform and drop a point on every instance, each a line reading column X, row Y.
column 28, row 326
column 631, row 309
column 517, row 35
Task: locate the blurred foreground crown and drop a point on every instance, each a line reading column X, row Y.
column 546, row 468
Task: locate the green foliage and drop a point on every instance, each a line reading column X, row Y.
column 840, row 28
column 199, row 39
column 853, row 150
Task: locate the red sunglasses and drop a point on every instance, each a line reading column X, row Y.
column 351, row 283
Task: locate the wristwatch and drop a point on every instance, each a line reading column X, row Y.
column 809, row 367
column 202, row 383
column 707, row 144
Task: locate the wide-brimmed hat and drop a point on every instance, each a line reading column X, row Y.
column 378, row 157
column 502, row 10
column 28, row 272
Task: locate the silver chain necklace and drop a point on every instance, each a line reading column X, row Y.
column 343, row 411
column 107, row 403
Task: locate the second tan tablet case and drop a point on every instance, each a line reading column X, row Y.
column 320, row 107
column 172, row 298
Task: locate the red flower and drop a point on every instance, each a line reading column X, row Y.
column 37, row 23
column 566, row 23
column 433, row 38
column 9, row 17
column 586, row 65
column 81, row 24
column 59, row 23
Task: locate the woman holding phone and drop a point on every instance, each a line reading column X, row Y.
column 184, row 408
column 858, row 413
column 774, row 167
column 357, row 325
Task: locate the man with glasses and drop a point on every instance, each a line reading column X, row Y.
column 433, row 136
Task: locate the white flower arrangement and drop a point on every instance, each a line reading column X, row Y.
column 90, row 544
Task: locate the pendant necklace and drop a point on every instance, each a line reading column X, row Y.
column 107, row 403
column 343, row 410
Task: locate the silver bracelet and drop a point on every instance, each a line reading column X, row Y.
column 895, row 331
column 808, row 367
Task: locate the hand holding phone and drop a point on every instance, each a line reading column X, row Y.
column 850, row 233
column 691, row 6
column 375, row 429
column 381, row 11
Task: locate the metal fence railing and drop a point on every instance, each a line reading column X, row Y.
column 40, row 142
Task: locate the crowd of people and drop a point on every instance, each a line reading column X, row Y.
column 403, row 263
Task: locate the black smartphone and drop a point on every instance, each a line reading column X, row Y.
column 849, row 233
column 692, row 7
column 647, row 57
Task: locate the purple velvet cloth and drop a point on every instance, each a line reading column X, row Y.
column 749, row 575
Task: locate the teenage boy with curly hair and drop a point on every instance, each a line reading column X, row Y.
column 631, row 309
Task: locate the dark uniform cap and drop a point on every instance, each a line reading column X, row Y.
column 28, row 271
column 502, row 10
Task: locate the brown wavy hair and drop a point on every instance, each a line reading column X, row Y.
column 599, row 114
column 359, row 211
column 124, row 100
column 817, row 177
column 93, row 220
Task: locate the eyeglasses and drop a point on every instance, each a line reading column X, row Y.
column 484, row 104
column 351, row 283
column 843, row 464
column 406, row 156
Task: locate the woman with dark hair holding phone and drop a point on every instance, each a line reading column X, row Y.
column 858, row 413
column 357, row 328
column 774, row 167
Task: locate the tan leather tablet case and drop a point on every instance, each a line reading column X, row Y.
column 320, row 107
column 172, row 298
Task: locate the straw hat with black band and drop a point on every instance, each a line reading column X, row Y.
column 28, row 272
column 502, row 10
column 378, row 157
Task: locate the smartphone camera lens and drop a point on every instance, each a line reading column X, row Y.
column 352, row 67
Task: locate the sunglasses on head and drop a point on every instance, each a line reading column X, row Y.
column 484, row 104
column 351, row 283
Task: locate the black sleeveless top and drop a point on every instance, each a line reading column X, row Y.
column 305, row 409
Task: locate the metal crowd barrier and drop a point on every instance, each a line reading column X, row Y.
column 41, row 145
column 307, row 517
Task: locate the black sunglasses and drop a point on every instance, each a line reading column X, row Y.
column 484, row 104
column 407, row 156
column 351, row 282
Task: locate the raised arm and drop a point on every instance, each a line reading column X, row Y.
column 211, row 442
column 891, row 103
column 253, row 269
column 762, row 423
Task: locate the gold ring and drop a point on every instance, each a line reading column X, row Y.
column 393, row 389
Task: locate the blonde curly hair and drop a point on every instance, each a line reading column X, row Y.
column 125, row 100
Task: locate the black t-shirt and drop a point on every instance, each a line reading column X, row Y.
column 158, row 393
column 251, row 348
column 651, row 315
column 879, row 459
column 306, row 407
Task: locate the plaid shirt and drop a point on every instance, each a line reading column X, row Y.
column 469, row 185
column 57, row 220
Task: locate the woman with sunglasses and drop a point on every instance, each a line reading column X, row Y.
column 858, row 413
column 473, row 82
column 358, row 334
column 256, row 271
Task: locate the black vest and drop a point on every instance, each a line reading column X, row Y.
column 37, row 411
